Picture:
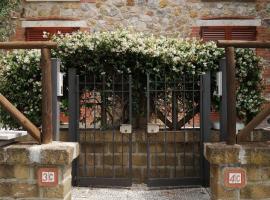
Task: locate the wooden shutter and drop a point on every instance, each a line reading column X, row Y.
column 243, row 33
column 213, row 33
column 36, row 34
column 228, row 33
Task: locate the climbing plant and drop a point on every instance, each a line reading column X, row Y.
column 122, row 51
column 6, row 24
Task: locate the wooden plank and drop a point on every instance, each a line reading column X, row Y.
column 244, row 133
column 22, row 120
column 46, row 69
column 231, row 96
column 27, row 45
column 243, row 44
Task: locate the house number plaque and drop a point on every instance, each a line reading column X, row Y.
column 48, row 177
column 234, row 178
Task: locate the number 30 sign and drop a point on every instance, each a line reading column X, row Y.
column 234, row 178
column 48, row 177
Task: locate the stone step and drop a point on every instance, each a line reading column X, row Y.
column 10, row 135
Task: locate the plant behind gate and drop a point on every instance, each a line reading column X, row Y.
column 124, row 52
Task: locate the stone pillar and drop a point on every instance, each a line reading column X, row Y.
column 240, row 171
column 22, row 168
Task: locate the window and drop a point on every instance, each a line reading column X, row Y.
column 214, row 33
column 36, row 34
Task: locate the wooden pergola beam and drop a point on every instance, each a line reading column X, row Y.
column 243, row 44
column 27, row 45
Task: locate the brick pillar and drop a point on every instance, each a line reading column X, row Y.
column 252, row 161
column 21, row 166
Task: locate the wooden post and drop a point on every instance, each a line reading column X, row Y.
column 231, row 96
column 244, row 133
column 46, row 70
column 21, row 119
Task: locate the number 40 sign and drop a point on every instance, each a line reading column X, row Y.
column 234, row 178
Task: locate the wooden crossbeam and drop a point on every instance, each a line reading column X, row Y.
column 243, row 44
column 27, row 45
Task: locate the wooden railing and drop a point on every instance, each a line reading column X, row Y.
column 46, row 69
column 230, row 122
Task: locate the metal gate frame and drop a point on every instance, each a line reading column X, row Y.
column 74, row 115
column 205, row 126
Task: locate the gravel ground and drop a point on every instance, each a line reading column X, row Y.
column 139, row 192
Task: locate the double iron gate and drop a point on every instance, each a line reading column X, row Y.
column 176, row 128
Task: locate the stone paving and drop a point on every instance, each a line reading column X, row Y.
column 140, row 192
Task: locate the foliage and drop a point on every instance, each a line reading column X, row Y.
column 6, row 24
column 134, row 53
column 20, row 84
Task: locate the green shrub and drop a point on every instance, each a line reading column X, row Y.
column 133, row 53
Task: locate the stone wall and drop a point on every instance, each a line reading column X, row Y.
column 166, row 17
column 252, row 161
column 19, row 166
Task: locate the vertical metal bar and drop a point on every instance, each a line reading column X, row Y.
column 130, row 121
column 95, row 107
column 113, row 111
column 85, row 121
column 231, row 96
column 148, row 120
column 205, row 105
column 46, row 70
column 73, row 117
column 193, row 126
column 224, row 105
column 55, row 99
column 77, row 133
column 184, row 108
column 72, row 105
column 122, row 119
column 103, row 121
column 156, row 135
column 165, row 130
column 175, row 122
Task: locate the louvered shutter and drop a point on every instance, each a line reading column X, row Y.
column 213, row 33
column 228, row 33
column 36, row 34
column 242, row 33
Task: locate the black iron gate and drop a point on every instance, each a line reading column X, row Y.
column 99, row 105
column 174, row 131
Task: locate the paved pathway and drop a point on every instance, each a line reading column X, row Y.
column 139, row 192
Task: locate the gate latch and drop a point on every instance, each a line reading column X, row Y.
column 152, row 128
column 125, row 128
